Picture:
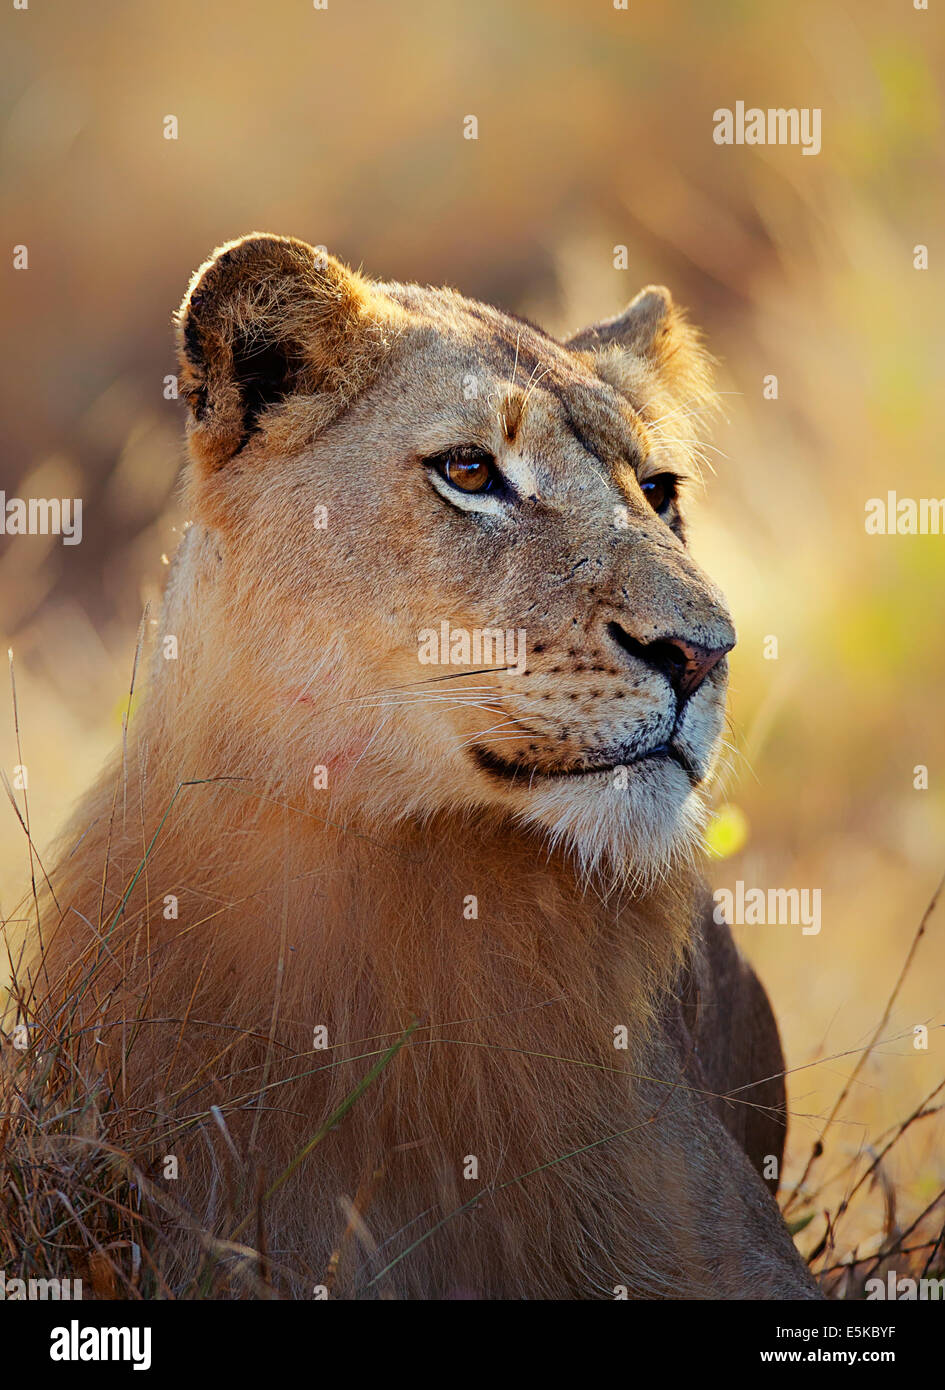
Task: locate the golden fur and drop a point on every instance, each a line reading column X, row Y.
column 450, row 867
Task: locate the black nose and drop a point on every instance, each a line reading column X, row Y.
column 684, row 664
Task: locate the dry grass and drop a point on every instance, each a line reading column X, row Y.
column 80, row 1196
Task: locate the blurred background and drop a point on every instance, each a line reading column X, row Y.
column 344, row 126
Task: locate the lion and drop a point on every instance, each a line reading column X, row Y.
column 389, row 921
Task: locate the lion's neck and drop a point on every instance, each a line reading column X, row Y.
column 447, row 921
column 461, row 919
column 302, row 950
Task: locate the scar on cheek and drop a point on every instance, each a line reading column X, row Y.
column 349, row 745
column 343, row 757
column 309, row 694
column 298, row 697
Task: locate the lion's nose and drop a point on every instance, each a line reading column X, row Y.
column 684, row 664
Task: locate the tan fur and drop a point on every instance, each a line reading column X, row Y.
column 348, row 907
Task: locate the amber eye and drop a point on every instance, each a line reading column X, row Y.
column 660, row 491
column 468, row 470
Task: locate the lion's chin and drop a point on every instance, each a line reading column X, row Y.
column 630, row 830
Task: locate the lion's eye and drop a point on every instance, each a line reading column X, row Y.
column 660, row 491
column 468, row 470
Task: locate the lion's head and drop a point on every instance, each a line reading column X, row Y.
column 400, row 492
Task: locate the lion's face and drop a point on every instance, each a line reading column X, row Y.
column 496, row 606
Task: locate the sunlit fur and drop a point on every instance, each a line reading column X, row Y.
column 517, row 924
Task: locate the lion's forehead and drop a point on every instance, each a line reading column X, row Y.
column 517, row 349
column 489, row 366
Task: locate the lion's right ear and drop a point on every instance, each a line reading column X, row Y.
column 269, row 320
column 651, row 355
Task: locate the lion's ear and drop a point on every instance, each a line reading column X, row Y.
column 650, row 351
column 265, row 319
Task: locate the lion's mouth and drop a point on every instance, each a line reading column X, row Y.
column 510, row 769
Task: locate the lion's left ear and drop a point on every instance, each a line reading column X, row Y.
column 650, row 353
